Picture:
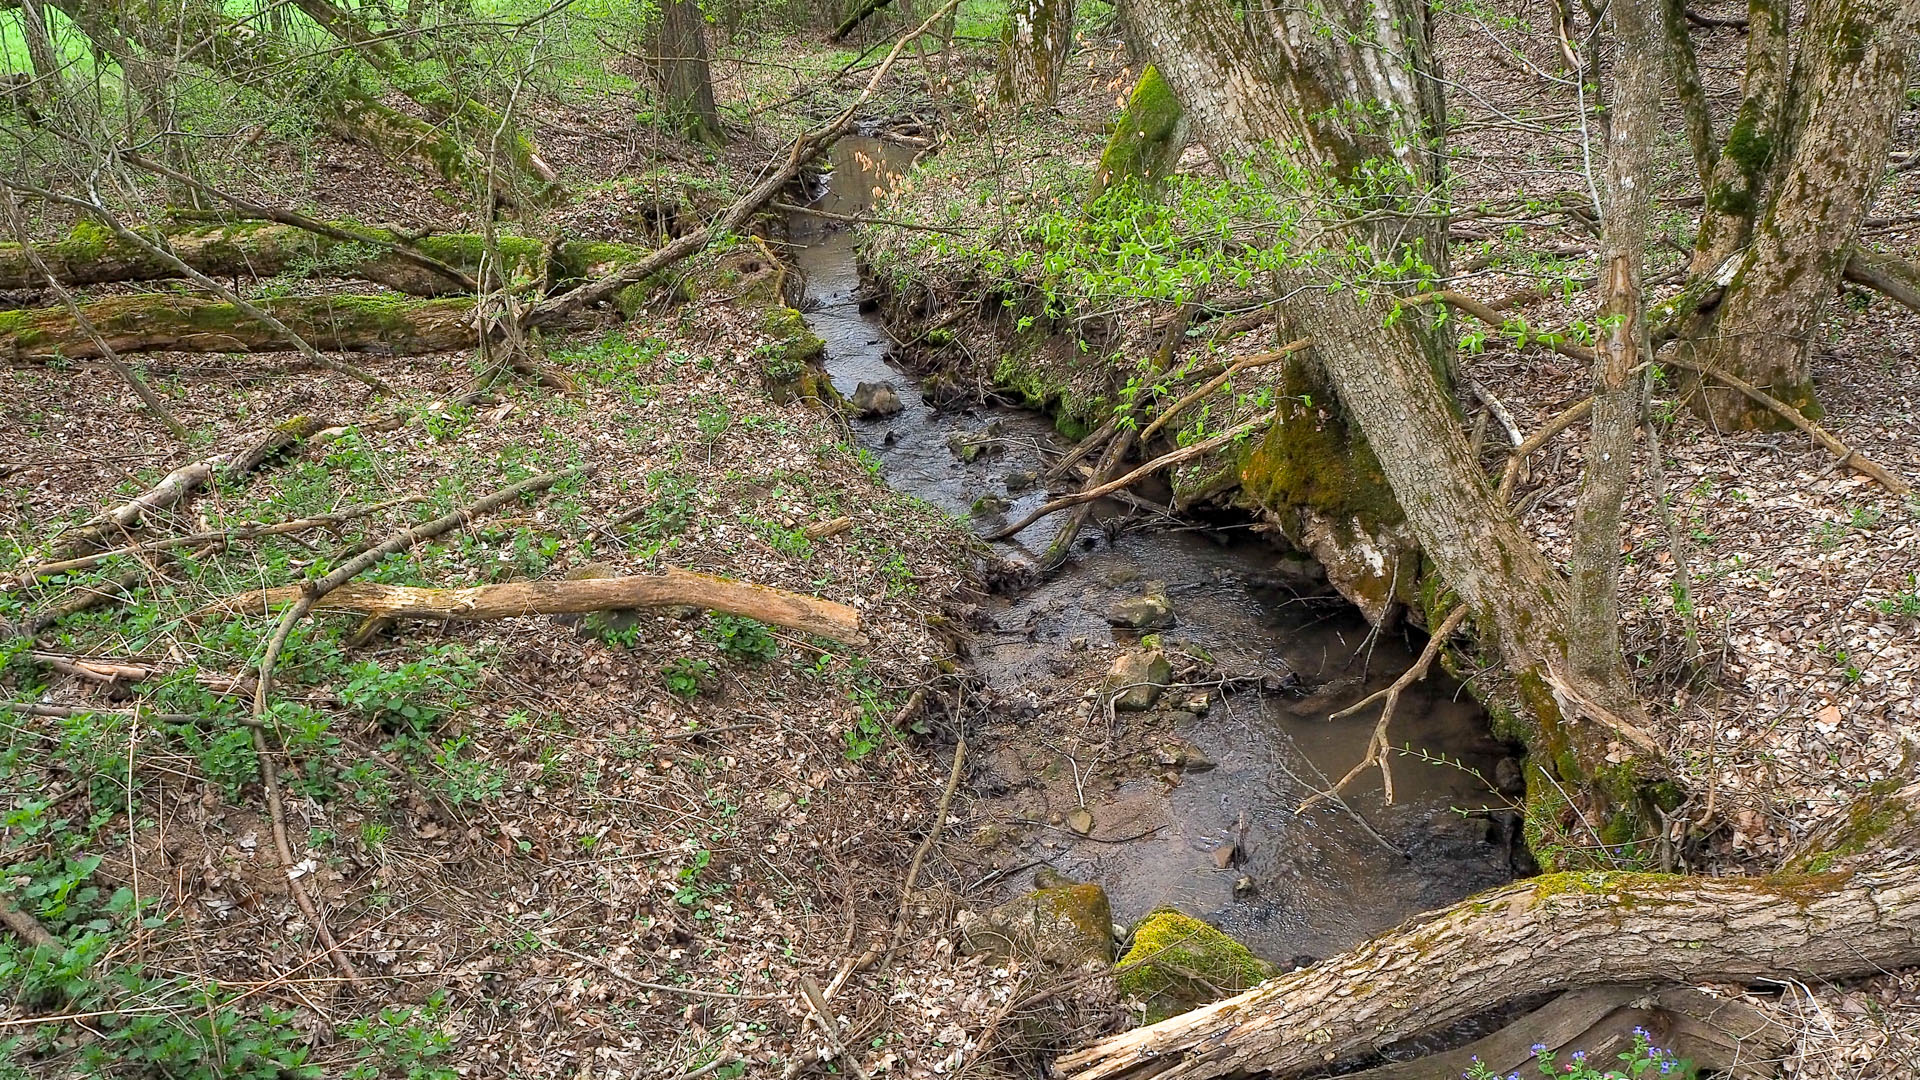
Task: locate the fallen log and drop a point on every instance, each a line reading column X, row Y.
column 1892, row 277
column 286, row 243
column 1849, row 906
column 672, row 588
column 153, row 322
column 169, row 492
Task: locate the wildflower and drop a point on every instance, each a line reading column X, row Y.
column 1538, row 1048
column 1579, row 1055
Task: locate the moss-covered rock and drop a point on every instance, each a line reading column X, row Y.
column 1065, row 925
column 1178, row 962
column 1147, row 141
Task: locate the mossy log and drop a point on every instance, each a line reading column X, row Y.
column 1859, row 915
column 154, row 322
column 91, row 255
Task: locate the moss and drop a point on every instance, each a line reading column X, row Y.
column 88, row 240
column 1313, row 458
column 1145, row 142
column 1177, row 963
column 1871, row 816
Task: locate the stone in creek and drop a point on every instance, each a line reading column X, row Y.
column 990, row 504
column 876, row 399
column 1184, row 756
column 971, row 446
column 1137, row 678
column 1080, row 820
column 1149, row 610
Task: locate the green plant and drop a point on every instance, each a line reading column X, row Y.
column 686, row 677
column 402, row 1041
column 1643, row 1062
column 742, row 638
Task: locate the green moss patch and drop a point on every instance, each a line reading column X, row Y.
column 1178, row 963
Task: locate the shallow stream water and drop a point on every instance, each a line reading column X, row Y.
column 1307, row 884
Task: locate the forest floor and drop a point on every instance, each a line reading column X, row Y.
column 612, row 849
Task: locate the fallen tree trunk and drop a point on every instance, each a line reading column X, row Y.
column 1850, row 908
column 91, row 255
column 155, row 322
column 1893, row 277
column 674, row 587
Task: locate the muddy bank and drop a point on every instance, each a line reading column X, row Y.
column 1190, row 802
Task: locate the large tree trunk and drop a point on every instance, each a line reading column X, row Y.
column 48, row 80
column 1849, row 906
column 686, row 78
column 1034, row 44
column 1270, row 82
column 166, row 322
column 1821, row 161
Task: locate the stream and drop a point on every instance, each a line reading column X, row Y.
column 1224, row 842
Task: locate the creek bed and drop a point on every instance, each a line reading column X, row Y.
column 1296, row 885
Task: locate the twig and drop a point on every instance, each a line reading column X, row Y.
column 67, row 712
column 1377, row 745
column 1569, row 416
column 1215, row 383
column 810, row 990
column 926, row 844
column 310, row 594
column 1161, row 462
column 224, row 536
column 858, row 219
column 1849, row 457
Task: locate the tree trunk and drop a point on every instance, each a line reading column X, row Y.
column 1845, row 92
column 48, row 81
column 1848, row 907
column 1147, row 140
column 1268, row 82
column 686, row 79
column 253, row 249
column 1034, row 44
column 166, row 322
column 1633, row 109
column 519, row 172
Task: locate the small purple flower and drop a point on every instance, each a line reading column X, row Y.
column 1579, row 1055
column 1539, row 1048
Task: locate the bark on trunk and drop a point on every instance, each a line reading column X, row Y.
column 686, row 78
column 1845, row 92
column 166, row 322
column 1033, row 50
column 1268, row 81
column 1633, row 107
column 1850, row 909
column 48, row 82
column 674, row 587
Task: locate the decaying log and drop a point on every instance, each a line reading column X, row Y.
column 505, row 601
column 174, row 487
column 1888, row 275
column 163, row 321
column 1852, row 909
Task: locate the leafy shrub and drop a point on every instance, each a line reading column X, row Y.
column 686, row 677
column 742, row 638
